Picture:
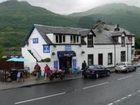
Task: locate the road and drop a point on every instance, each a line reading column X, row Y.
column 118, row 89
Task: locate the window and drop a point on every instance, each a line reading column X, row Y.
column 77, row 39
column 74, row 39
column 123, row 41
column 90, row 40
column 71, row 39
column 35, row 40
column 123, row 57
column 60, row 38
column 57, row 39
column 115, row 39
column 130, row 38
column 109, row 58
column 90, row 59
column 64, row 38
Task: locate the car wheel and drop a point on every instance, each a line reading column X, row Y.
column 108, row 73
column 127, row 70
column 134, row 69
column 116, row 71
column 85, row 77
column 96, row 75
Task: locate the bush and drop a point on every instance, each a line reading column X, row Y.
column 46, row 60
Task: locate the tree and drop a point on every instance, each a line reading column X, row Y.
column 1, row 51
column 137, row 41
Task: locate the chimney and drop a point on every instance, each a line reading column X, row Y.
column 117, row 28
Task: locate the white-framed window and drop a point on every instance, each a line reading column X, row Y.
column 90, row 59
column 74, row 39
column 123, row 56
column 90, row 40
column 123, row 41
column 60, row 38
column 109, row 58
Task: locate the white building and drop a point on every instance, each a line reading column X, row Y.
column 68, row 47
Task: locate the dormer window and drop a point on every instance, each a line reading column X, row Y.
column 130, row 38
column 115, row 39
column 90, row 40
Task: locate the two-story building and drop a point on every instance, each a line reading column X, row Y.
column 68, row 47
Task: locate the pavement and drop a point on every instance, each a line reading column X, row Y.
column 30, row 81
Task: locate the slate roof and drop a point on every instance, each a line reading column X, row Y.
column 103, row 37
column 61, row 30
column 43, row 30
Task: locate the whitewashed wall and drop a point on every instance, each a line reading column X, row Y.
column 104, row 49
column 37, row 47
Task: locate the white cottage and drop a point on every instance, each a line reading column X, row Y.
column 68, row 47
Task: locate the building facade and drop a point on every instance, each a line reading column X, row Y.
column 67, row 47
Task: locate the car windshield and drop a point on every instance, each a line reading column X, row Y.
column 121, row 64
column 93, row 67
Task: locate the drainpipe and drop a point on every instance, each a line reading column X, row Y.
column 114, row 54
column 127, row 52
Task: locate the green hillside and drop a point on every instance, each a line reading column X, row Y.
column 127, row 16
column 17, row 19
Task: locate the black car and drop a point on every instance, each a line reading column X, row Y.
column 95, row 71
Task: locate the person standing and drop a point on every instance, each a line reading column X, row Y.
column 18, row 76
column 37, row 69
column 46, row 71
column 84, row 65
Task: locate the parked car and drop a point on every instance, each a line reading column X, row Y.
column 95, row 71
column 124, row 67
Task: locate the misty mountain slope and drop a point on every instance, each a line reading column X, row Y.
column 17, row 19
column 127, row 16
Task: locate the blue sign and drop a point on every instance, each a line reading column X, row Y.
column 74, row 63
column 35, row 40
column 46, row 49
column 56, row 64
column 67, row 47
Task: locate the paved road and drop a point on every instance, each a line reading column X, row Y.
column 118, row 89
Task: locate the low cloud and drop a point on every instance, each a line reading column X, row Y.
column 69, row 6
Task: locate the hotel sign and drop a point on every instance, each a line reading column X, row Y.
column 67, row 47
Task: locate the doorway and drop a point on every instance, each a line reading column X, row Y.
column 100, row 59
column 65, row 63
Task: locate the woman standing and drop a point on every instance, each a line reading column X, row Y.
column 46, row 71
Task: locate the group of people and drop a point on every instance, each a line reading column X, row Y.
column 37, row 69
column 47, row 70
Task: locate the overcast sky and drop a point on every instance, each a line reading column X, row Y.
column 70, row 6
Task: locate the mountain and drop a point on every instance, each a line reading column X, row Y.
column 17, row 19
column 127, row 16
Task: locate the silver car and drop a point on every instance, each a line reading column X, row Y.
column 124, row 67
